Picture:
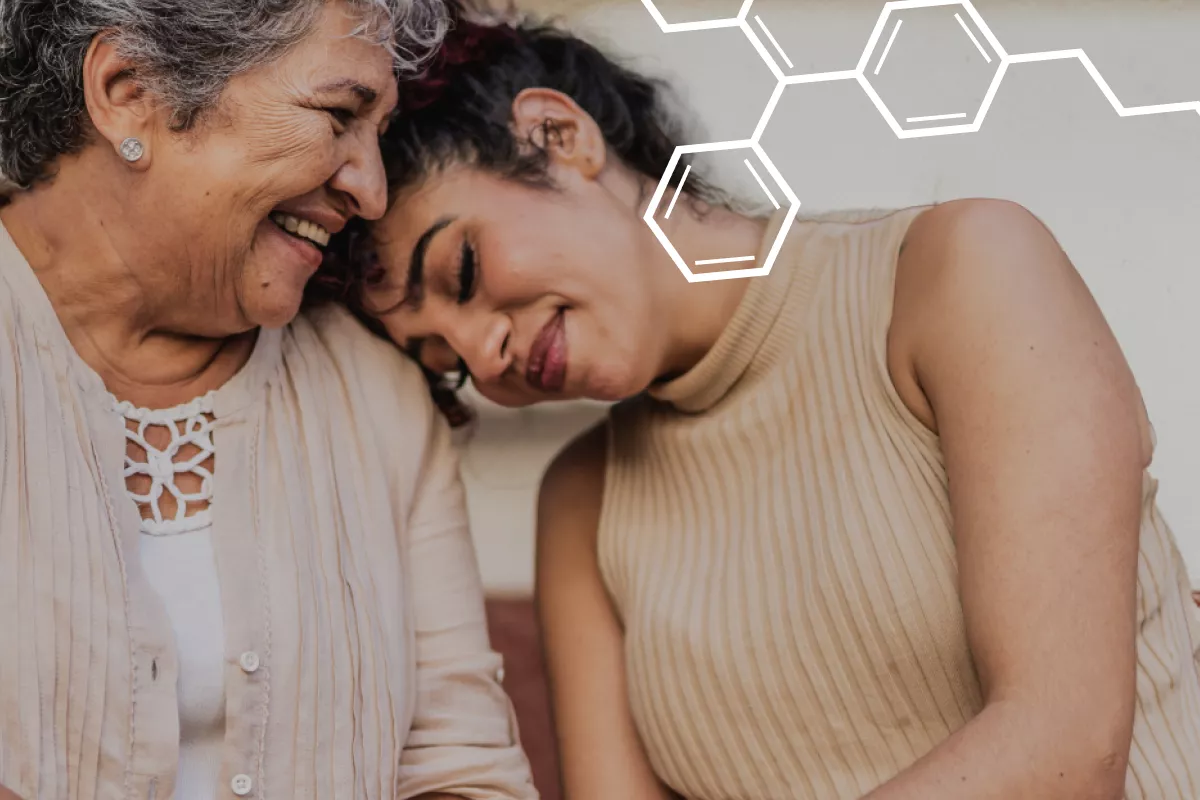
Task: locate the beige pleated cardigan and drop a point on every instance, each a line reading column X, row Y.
column 345, row 565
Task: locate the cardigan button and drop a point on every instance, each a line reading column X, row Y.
column 241, row 785
column 249, row 661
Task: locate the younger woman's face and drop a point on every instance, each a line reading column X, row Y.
column 541, row 293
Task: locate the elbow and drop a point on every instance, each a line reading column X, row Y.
column 1109, row 754
column 1077, row 751
column 1084, row 775
column 1099, row 763
column 1105, row 777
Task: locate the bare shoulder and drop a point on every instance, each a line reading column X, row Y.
column 573, row 484
column 974, row 239
column 970, row 264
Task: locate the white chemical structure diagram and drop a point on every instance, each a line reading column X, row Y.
column 978, row 75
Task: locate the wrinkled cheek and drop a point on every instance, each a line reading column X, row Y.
column 212, row 263
column 229, row 257
column 238, row 248
column 281, row 135
column 290, row 160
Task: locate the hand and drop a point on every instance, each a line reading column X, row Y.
column 6, row 794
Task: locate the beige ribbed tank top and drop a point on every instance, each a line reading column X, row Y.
column 776, row 537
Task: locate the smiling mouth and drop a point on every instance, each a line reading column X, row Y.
column 302, row 229
column 547, row 368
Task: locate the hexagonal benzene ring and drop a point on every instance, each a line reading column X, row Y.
column 932, row 67
column 699, row 25
column 723, row 266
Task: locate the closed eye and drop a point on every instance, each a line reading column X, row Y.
column 342, row 117
column 467, row 269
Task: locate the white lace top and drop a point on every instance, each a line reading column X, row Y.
column 189, row 449
column 176, row 549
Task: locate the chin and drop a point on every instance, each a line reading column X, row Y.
column 616, row 384
column 273, row 309
column 274, row 277
column 273, row 300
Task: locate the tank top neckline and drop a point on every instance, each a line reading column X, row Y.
column 748, row 342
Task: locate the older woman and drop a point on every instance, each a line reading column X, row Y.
column 233, row 549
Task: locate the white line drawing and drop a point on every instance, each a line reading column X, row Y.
column 703, row 25
column 778, row 49
column 820, row 77
column 678, row 190
column 964, row 124
column 1118, row 106
column 888, row 49
column 937, row 117
column 763, row 185
column 859, row 74
column 705, row 261
column 974, row 41
column 792, row 208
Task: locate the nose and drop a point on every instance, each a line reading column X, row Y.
column 485, row 347
column 363, row 179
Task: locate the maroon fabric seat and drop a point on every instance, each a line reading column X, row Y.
column 514, row 632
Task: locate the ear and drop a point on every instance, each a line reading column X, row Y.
column 575, row 140
column 118, row 105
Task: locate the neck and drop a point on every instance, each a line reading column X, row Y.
column 700, row 312
column 116, row 316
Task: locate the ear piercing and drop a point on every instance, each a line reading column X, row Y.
column 132, row 149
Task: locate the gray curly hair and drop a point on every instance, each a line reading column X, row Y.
column 186, row 51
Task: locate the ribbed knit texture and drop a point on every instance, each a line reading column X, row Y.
column 776, row 536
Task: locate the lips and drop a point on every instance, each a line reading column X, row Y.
column 307, row 253
column 301, row 228
column 547, row 368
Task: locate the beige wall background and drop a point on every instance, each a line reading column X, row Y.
column 1122, row 195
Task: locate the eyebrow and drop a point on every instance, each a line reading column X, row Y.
column 364, row 92
column 414, row 284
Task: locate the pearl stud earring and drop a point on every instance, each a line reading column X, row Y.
column 132, row 149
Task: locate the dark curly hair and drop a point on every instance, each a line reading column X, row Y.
column 459, row 111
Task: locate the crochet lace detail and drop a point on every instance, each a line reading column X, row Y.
column 191, row 445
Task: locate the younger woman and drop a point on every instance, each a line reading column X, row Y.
column 878, row 524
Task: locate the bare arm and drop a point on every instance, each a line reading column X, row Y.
column 601, row 753
column 1045, row 441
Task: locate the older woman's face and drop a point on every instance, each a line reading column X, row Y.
column 249, row 199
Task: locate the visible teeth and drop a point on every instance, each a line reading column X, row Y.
column 302, row 228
